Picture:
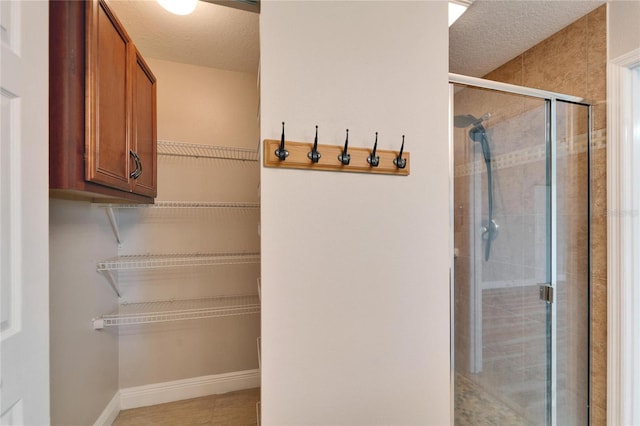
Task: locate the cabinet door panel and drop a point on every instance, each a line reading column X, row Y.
column 108, row 100
column 144, row 119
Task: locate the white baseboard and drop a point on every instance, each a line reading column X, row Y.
column 160, row 393
column 110, row 412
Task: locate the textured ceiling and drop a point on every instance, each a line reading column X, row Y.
column 489, row 34
column 213, row 35
column 493, row 32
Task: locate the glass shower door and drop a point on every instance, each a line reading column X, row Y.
column 521, row 268
column 502, row 238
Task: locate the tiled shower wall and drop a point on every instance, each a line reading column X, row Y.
column 573, row 61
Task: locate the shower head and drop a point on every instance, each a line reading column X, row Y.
column 463, row 121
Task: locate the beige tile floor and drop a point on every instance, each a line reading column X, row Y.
column 229, row 409
column 474, row 406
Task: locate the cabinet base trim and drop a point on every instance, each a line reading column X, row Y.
column 160, row 393
column 110, row 412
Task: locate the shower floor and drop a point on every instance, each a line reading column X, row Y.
column 474, row 406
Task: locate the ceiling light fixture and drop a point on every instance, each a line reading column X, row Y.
column 179, row 7
column 457, row 8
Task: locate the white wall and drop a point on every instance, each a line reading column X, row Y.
column 623, row 27
column 355, row 268
column 84, row 362
column 206, row 105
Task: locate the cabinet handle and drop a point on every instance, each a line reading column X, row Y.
column 135, row 174
column 139, row 166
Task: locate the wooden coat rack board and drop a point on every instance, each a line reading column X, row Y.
column 298, row 158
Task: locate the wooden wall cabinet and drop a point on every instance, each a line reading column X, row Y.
column 102, row 107
column 145, row 140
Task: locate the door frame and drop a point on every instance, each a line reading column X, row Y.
column 623, row 241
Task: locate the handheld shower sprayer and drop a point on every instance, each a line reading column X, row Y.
column 478, row 133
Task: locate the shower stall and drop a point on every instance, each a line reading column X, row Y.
column 520, row 255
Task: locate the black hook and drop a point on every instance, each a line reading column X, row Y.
column 282, row 153
column 373, row 160
column 314, row 155
column 400, row 162
column 345, row 158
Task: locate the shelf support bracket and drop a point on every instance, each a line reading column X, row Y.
column 114, row 223
column 98, row 323
column 110, row 279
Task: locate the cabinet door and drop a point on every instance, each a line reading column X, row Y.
column 108, row 95
column 144, row 141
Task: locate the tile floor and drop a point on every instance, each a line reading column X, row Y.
column 474, row 406
column 229, row 409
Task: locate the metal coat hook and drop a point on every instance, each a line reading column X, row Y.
column 282, row 153
column 400, row 162
column 374, row 160
column 345, row 158
column 314, row 155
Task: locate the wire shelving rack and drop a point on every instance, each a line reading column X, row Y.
column 179, row 310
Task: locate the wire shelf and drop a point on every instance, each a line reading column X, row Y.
column 179, row 310
column 184, row 205
column 138, row 261
column 172, row 205
column 179, row 149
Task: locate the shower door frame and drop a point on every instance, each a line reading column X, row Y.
column 551, row 98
